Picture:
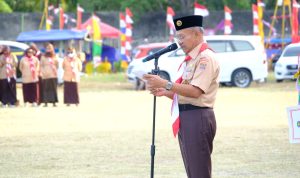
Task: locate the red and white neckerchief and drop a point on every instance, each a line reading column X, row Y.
column 9, row 69
column 51, row 61
column 32, row 67
column 72, row 64
column 37, row 54
column 175, row 108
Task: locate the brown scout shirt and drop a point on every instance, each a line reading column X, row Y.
column 26, row 72
column 13, row 63
column 72, row 69
column 201, row 71
column 48, row 68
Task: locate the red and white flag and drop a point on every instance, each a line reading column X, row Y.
column 51, row 7
column 255, row 20
column 128, row 34
column 80, row 10
column 228, row 18
column 200, row 10
column 170, row 15
column 260, row 3
column 295, row 22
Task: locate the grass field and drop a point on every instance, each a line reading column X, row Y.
column 109, row 134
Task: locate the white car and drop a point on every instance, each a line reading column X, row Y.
column 242, row 60
column 287, row 64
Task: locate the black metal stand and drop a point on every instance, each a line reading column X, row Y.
column 155, row 71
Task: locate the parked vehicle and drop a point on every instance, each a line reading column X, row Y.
column 242, row 60
column 147, row 49
column 287, row 64
column 141, row 52
column 17, row 49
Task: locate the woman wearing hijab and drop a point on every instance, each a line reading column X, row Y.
column 49, row 65
column 29, row 67
column 38, row 54
column 72, row 67
column 8, row 64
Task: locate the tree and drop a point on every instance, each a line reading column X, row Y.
column 4, row 7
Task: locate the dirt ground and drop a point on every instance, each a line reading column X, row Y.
column 109, row 136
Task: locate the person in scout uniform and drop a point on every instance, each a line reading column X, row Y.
column 195, row 92
column 72, row 66
column 8, row 64
column 29, row 67
column 48, row 66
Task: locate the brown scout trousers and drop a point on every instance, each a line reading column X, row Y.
column 196, row 135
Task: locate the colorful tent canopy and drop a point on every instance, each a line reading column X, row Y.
column 107, row 31
column 51, row 35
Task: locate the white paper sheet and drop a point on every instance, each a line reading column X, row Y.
column 294, row 123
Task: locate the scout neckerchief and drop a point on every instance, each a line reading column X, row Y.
column 175, row 107
column 9, row 69
column 53, row 67
column 72, row 64
column 31, row 65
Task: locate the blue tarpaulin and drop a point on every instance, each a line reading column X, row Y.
column 51, row 35
column 278, row 40
column 107, row 52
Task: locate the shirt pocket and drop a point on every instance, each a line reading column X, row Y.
column 188, row 73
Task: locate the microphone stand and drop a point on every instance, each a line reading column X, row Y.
column 155, row 71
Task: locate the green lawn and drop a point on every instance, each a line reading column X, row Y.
column 109, row 134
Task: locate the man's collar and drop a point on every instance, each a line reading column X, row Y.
column 194, row 53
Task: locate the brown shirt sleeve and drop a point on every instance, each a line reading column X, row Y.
column 204, row 73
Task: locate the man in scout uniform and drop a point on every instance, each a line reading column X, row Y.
column 196, row 92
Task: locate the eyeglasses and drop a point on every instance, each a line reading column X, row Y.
column 181, row 37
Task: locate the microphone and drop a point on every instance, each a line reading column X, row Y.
column 161, row 52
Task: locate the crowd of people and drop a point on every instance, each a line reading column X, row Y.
column 39, row 76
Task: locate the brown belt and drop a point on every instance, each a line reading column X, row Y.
column 187, row 107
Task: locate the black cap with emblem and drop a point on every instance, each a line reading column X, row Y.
column 188, row 21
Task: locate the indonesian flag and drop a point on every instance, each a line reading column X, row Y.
column 295, row 22
column 227, row 24
column 80, row 10
column 255, row 20
column 200, row 10
column 170, row 15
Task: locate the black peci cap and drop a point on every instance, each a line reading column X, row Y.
column 188, row 21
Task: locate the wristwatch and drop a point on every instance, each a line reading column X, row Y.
column 169, row 85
